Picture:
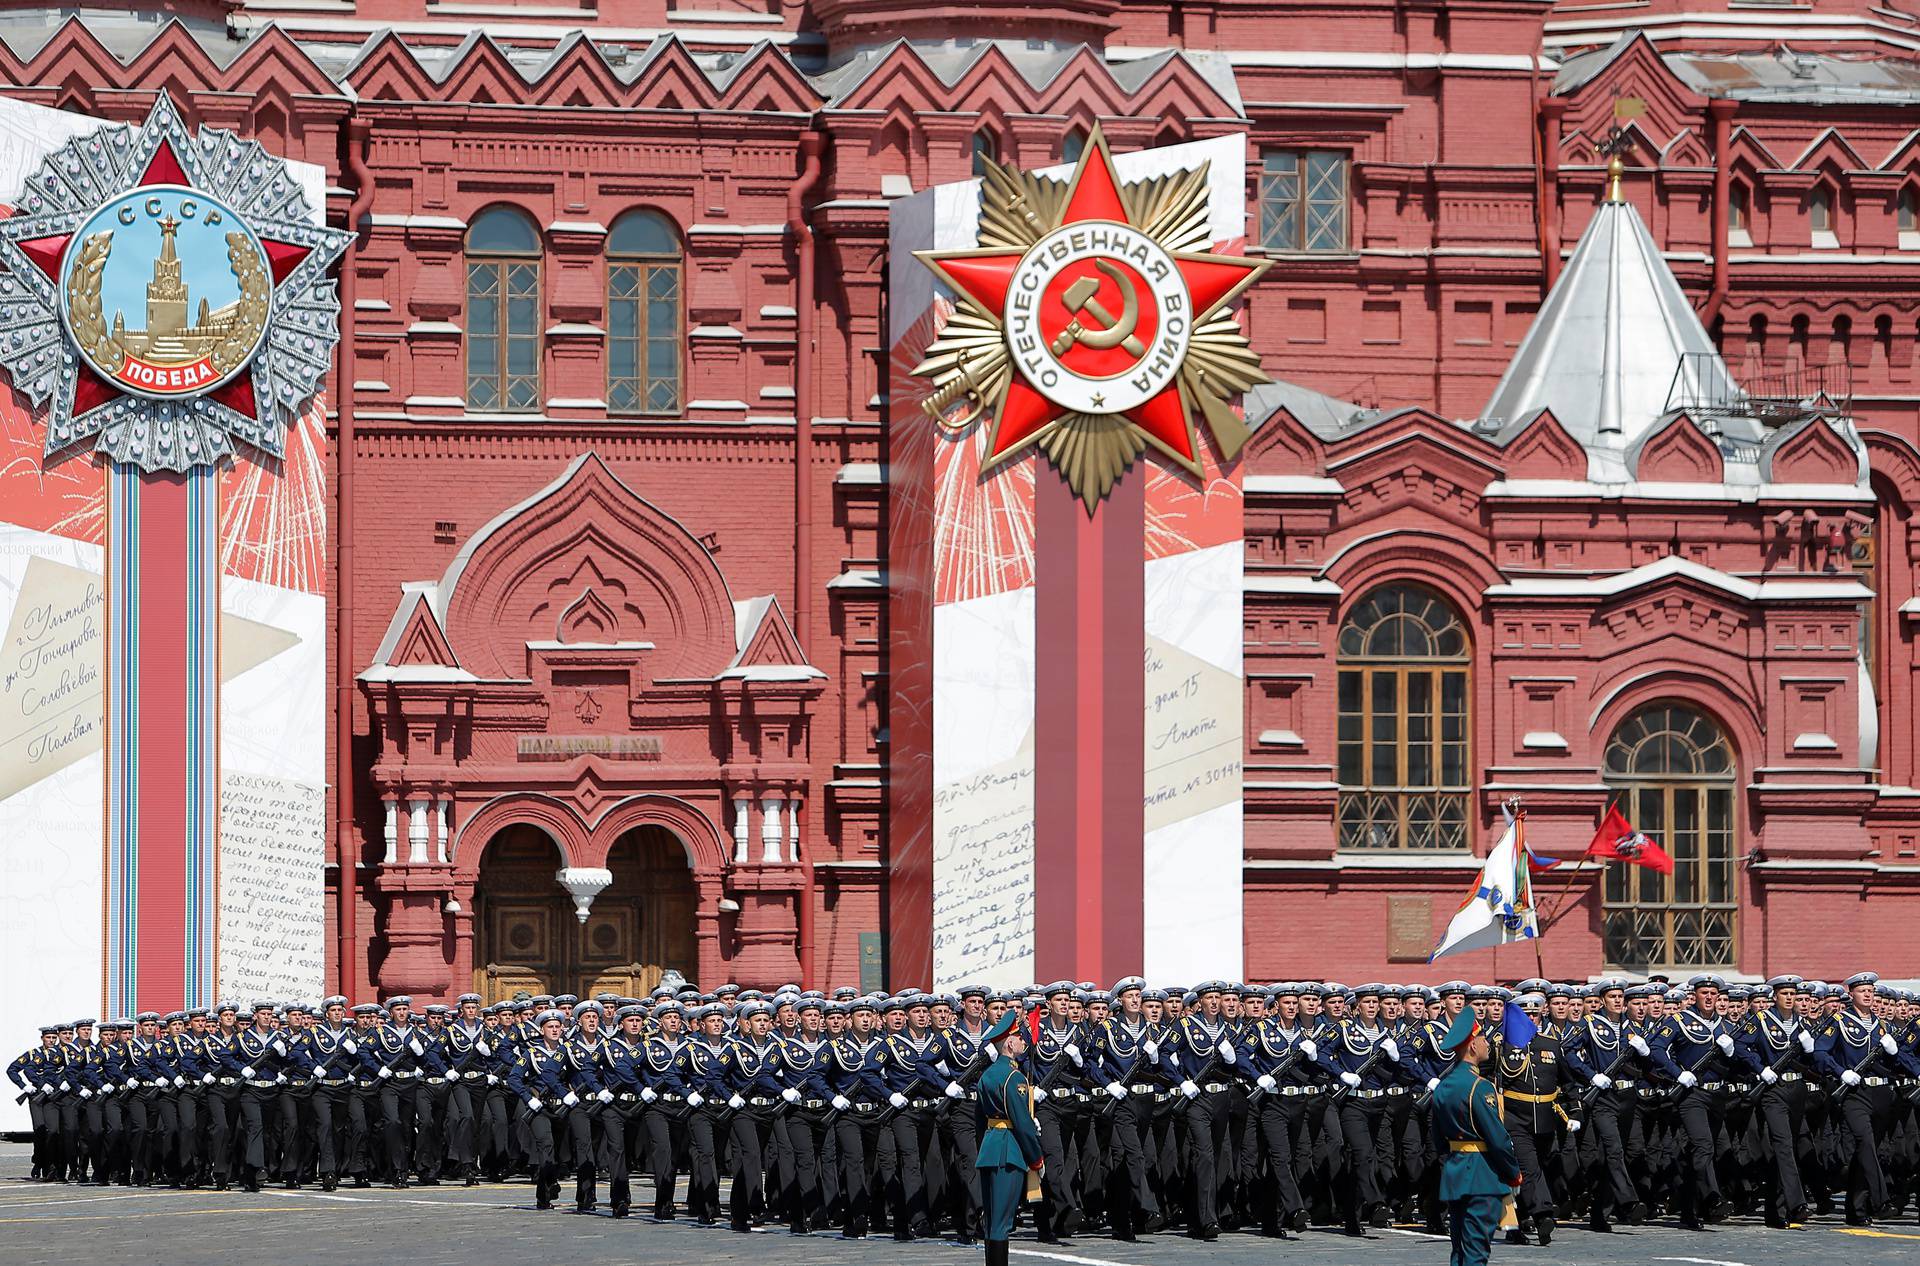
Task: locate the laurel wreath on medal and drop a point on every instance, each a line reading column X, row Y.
column 970, row 366
column 89, row 324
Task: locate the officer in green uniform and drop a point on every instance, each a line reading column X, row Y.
column 1009, row 1136
column 1480, row 1169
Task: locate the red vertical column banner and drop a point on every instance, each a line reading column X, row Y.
column 162, row 737
column 1064, row 572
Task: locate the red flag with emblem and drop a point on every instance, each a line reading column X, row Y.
column 1616, row 840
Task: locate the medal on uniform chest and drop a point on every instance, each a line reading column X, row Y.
column 1091, row 322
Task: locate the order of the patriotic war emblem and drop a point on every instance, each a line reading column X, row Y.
column 165, row 294
column 1092, row 321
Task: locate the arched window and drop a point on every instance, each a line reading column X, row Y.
column 1820, row 215
column 645, row 328
column 503, row 313
column 1403, row 691
column 986, row 149
column 1671, row 770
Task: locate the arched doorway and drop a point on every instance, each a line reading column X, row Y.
column 642, row 926
column 528, row 936
column 1672, row 770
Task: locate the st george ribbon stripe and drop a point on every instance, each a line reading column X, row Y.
column 163, row 609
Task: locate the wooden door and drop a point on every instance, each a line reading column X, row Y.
column 528, row 937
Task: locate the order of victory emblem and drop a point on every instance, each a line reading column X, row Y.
column 166, row 294
column 1091, row 322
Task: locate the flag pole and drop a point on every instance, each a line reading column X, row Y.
column 1566, row 885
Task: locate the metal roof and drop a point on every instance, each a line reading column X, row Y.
column 1781, row 73
column 1603, row 350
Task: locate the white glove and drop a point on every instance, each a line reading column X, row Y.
column 605, row 1096
column 1266, row 1082
column 694, row 1099
column 1601, row 1081
column 1073, row 1053
column 1638, row 1043
column 132, row 1085
column 1152, row 1048
column 206, row 1079
column 85, row 1093
column 279, row 1079
column 1888, row 1045
column 955, row 1090
column 533, row 1104
column 179, row 1083
column 1309, row 1048
column 279, row 1047
column 1850, row 1077
column 384, row 1072
column 350, row 1046
column 1806, row 1041
column 897, row 1099
column 790, row 1095
column 1188, row 1089
column 1391, row 1047
column 1688, row 1080
column 840, row 1103
column 247, row 1072
column 1352, row 1080
column 453, row 1074
column 1769, row 1076
column 1228, row 1054
column 1433, row 1084
column 736, row 1102
column 1725, row 1043
column 493, row 1079
column 416, row 1048
column 320, row 1071
column 647, row 1094
column 483, row 1048
column 1117, row 1090
column 1039, row 1094
column 1574, row 1125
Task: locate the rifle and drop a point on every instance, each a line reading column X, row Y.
column 1280, row 1070
column 1677, row 1092
column 1367, row 1065
column 1874, row 1052
column 1112, row 1105
column 1792, row 1048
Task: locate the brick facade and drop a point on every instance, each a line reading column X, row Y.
column 1462, row 159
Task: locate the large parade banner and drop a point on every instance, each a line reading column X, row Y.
column 1065, row 565
column 164, row 319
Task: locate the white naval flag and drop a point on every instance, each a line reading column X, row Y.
column 1499, row 910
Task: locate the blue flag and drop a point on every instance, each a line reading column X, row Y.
column 1516, row 1028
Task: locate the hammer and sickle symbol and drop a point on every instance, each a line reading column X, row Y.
column 1109, row 331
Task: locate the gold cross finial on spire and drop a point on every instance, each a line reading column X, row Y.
column 1616, row 143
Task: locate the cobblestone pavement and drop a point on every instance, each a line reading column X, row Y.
column 427, row 1226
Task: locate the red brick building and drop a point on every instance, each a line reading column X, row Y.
column 612, row 557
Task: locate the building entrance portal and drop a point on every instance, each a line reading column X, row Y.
column 529, row 935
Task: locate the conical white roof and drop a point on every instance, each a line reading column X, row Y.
column 1603, row 350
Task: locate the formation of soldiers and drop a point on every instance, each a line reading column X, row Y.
column 1223, row 1106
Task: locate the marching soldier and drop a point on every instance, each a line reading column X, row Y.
column 1281, row 1056
column 538, row 1077
column 856, row 1073
column 1058, row 1052
column 1127, row 1054
column 1693, row 1049
column 1366, row 1059
column 1857, row 1051
column 1528, row 1078
column 1779, row 1047
column 1010, row 1144
column 1481, row 1167
column 1599, row 1050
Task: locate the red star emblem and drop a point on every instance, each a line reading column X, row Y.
column 90, row 390
column 1097, row 315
